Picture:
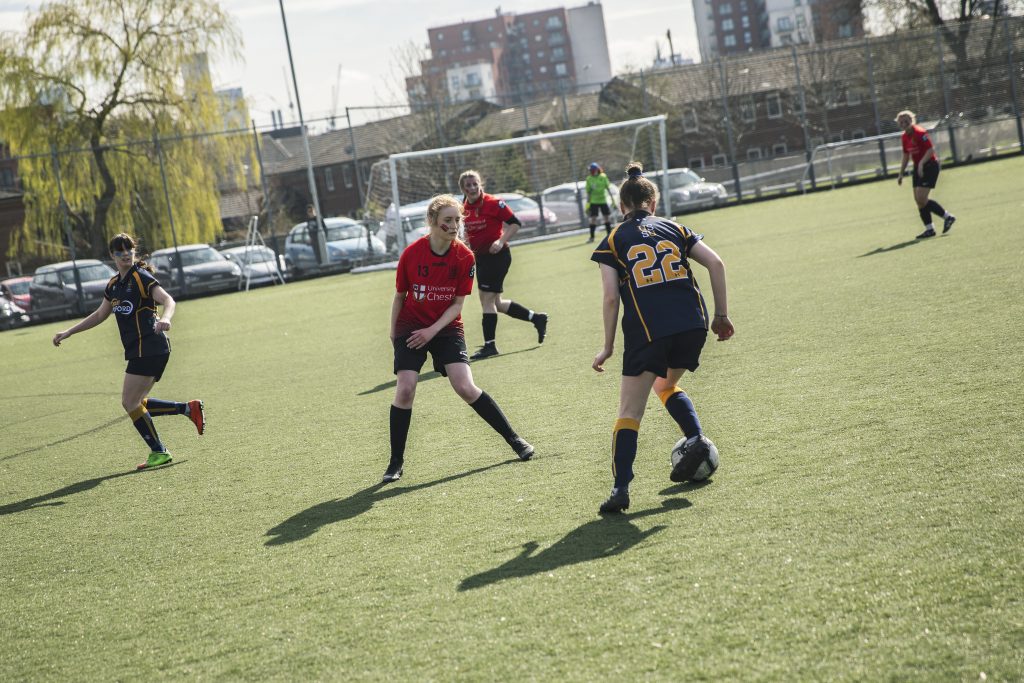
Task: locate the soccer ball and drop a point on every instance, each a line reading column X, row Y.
column 706, row 468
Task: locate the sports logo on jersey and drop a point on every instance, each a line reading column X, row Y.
column 472, row 271
column 501, row 203
column 419, row 292
column 122, row 307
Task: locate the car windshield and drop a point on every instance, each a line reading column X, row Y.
column 19, row 287
column 521, row 204
column 194, row 257
column 89, row 273
column 682, row 179
column 415, row 222
column 343, row 232
column 253, row 256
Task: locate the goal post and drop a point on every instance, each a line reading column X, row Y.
column 549, row 169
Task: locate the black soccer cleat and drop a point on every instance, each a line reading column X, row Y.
column 486, row 351
column 540, row 321
column 523, row 449
column 694, row 453
column 927, row 233
column 617, row 502
column 393, row 473
column 947, row 223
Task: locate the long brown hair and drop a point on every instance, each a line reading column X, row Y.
column 122, row 241
column 636, row 191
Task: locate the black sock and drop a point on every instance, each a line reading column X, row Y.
column 624, row 451
column 486, row 408
column 400, row 418
column 518, row 312
column 157, row 407
column 680, row 407
column 490, row 327
column 144, row 425
column 935, row 207
column 607, row 228
column 926, row 216
column 593, row 228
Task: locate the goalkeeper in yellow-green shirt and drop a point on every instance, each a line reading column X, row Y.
column 598, row 198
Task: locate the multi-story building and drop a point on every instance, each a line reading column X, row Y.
column 509, row 56
column 737, row 26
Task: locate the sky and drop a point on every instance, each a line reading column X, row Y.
column 364, row 38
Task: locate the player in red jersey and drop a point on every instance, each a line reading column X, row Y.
column 435, row 274
column 917, row 145
column 488, row 238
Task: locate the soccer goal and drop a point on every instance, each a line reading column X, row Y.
column 540, row 176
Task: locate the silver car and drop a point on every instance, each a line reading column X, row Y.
column 687, row 191
column 348, row 244
column 259, row 264
column 567, row 199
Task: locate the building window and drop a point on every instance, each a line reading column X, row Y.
column 526, row 58
column 329, row 179
column 746, row 37
column 467, row 35
column 556, row 38
column 748, row 112
column 725, row 8
column 836, row 137
column 440, row 36
column 745, row 21
column 543, row 69
column 540, row 54
column 690, row 120
column 561, row 69
column 729, row 40
column 753, row 153
column 696, row 162
column 853, row 98
column 719, row 160
column 537, row 38
column 346, row 175
column 845, row 31
column 558, row 53
column 857, row 134
column 779, row 149
column 774, row 104
column 472, row 78
column 554, row 22
column 785, row 24
column 727, row 25
column 743, row 5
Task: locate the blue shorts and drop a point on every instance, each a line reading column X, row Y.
column 681, row 350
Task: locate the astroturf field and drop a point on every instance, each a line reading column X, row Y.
column 865, row 523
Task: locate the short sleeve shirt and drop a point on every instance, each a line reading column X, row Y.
column 135, row 311
column 431, row 282
column 660, row 296
column 597, row 188
column 484, row 220
column 917, row 143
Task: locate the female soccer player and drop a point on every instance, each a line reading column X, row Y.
column 644, row 261
column 435, row 275
column 918, row 146
column 598, row 198
column 132, row 295
column 484, row 215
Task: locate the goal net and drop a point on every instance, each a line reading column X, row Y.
column 540, row 176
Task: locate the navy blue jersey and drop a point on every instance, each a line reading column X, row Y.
column 135, row 310
column 658, row 291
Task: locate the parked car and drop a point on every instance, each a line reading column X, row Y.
column 16, row 289
column 348, row 243
column 562, row 199
column 55, row 295
column 527, row 211
column 414, row 223
column 688, row 191
column 259, row 264
column 12, row 315
column 206, row 270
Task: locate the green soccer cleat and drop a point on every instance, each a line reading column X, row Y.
column 155, row 459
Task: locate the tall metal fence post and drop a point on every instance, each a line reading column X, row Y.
column 874, row 106
column 1012, row 72
column 728, row 132
column 79, row 294
column 945, row 95
column 355, row 157
column 170, row 212
column 808, row 152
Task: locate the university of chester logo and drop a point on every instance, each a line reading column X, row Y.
column 419, row 292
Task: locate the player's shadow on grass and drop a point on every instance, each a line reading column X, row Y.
column 594, row 540
column 50, row 499
column 901, row 245
column 105, row 425
column 434, row 374
column 307, row 522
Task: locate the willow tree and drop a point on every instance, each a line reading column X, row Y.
column 87, row 89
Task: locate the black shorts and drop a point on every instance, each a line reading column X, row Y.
column 930, row 176
column 491, row 270
column 603, row 208
column 444, row 350
column 680, row 350
column 150, row 366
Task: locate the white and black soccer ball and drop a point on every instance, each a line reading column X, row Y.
column 706, row 468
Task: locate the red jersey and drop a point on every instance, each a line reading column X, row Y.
column 917, row 144
column 484, row 220
column 431, row 282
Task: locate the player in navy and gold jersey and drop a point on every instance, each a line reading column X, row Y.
column 917, row 146
column 645, row 262
column 435, row 275
column 486, row 217
column 132, row 296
